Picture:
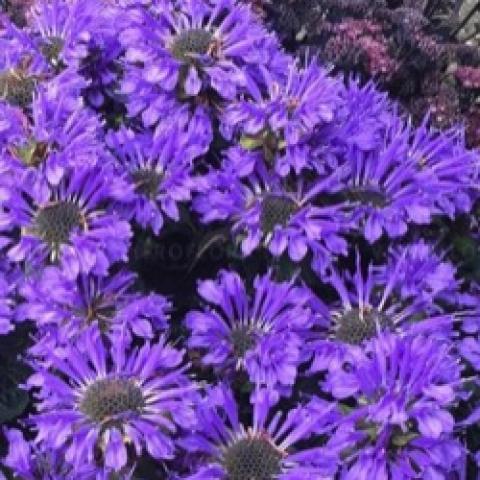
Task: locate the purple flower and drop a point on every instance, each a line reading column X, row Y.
column 262, row 333
column 407, row 178
column 94, row 402
column 59, row 132
column 364, row 120
column 384, row 187
column 268, row 447
column 31, row 462
column 420, row 271
column 22, row 66
column 283, row 120
column 193, row 47
column 368, row 305
column 63, row 30
column 448, row 169
column 158, row 169
column 81, row 35
column 110, row 303
column 397, row 398
column 266, row 212
column 66, row 222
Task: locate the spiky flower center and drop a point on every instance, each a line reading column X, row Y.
column 243, row 339
column 252, row 458
column 147, row 181
column 51, row 49
column 56, row 222
column 190, row 43
column 355, row 326
column 367, row 195
column 275, row 210
column 16, row 88
column 109, row 397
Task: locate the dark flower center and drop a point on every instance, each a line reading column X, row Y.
column 352, row 328
column 16, row 88
column 369, row 196
column 100, row 312
column 189, row 43
column 275, row 210
column 147, row 182
column 252, row 459
column 55, row 223
column 243, row 339
column 109, row 397
column 52, row 48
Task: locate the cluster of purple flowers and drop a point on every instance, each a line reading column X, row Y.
column 335, row 339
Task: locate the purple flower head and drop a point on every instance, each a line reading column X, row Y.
column 194, row 47
column 81, row 35
column 449, row 171
column 20, row 67
column 95, row 402
column 30, row 462
column 397, row 398
column 364, row 120
column 384, row 187
column 158, row 169
column 266, row 212
column 368, row 305
column 420, row 271
column 63, row 30
column 269, row 447
column 59, row 132
column 262, row 333
column 284, row 119
column 408, row 177
column 65, row 222
column 110, row 303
